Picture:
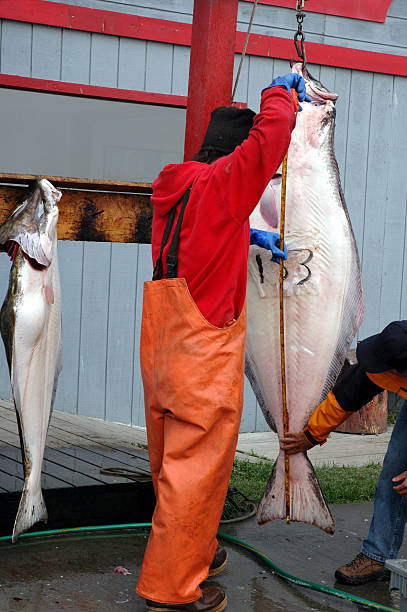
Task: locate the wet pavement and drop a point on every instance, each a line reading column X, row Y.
column 76, row 573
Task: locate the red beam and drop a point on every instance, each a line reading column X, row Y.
column 77, row 17
column 326, row 55
column 93, row 20
column 91, row 91
column 131, row 26
column 211, row 66
column 368, row 10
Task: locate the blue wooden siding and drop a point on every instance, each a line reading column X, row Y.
column 102, row 283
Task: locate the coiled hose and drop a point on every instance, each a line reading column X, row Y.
column 228, row 538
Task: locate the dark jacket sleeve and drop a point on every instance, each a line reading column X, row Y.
column 242, row 176
column 352, row 391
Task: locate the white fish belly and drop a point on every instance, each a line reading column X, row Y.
column 314, row 301
column 322, row 310
column 35, row 354
column 36, row 364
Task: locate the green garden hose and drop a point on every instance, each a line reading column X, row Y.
column 228, row 538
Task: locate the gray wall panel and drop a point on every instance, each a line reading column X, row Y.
column 180, row 71
column 104, row 60
column 71, row 270
column 96, row 138
column 342, row 88
column 159, row 60
column 261, row 424
column 398, row 8
column 172, row 10
column 46, row 52
column 120, row 350
column 144, row 273
column 391, row 34
column 243, row 83
column 327, row 77
column 375, row 202
column 94, row 326
column 260, row 74
column 248, row 422
column 357, row 150
column 75, row 56
column 16, row 40
column 396, row 213
column 403, row 255
column 132, row 60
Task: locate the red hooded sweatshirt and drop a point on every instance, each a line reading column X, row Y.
column 215, row 234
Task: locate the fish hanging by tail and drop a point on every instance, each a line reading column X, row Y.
column 30, row 324
column 323, row 300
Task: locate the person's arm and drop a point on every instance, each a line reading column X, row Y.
column 350, row 393
column 243, row 175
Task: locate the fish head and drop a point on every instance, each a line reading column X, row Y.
column 33, row 221
column 316, row 121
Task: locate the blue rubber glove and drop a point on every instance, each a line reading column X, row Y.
column 292, row 81
column 270, row 241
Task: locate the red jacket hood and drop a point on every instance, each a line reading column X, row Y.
column 172, row 183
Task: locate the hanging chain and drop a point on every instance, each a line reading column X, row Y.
column 299, row 38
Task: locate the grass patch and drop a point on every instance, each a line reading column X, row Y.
column 392, row 416
column 346, row 484
column 340, row 485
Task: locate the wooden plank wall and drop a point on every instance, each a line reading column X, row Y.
column 102, row 283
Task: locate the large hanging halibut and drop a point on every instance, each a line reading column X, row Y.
column 323, row 300
column 30, row 322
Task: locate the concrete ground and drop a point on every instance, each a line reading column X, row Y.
column 340, row 449
column 76, row 573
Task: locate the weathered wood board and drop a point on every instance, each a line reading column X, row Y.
column 97, row 211
column 92, row 473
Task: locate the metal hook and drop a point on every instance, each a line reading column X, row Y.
column 300, row 49
column 299, row 35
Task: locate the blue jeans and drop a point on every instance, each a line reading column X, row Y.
column 390, row 509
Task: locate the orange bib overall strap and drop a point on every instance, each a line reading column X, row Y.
column 193, row 391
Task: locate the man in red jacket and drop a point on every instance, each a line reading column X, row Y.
column 193, row 339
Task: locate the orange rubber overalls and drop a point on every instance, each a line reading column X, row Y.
column 193, row 389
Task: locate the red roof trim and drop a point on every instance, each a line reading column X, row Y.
column 13, row 81
column 368, row 10
column 327, row 55
column 133, row 26
column 91, row 91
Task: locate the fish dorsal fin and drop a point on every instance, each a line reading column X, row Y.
column 32, row 223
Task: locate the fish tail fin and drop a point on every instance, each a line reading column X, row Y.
column 30, row 511
column 307, row 503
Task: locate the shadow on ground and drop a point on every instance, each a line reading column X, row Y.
column 76, row 573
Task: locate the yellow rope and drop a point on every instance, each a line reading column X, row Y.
column 282, row 331
column 282, row 341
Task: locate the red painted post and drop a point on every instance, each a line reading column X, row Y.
column 211, row 66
